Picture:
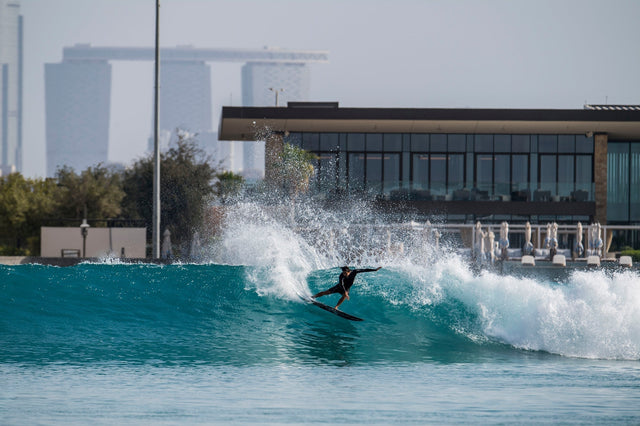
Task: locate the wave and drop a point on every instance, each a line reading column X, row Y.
column 243, row 307
column 247, row 314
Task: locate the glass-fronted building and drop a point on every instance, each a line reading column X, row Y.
column 422, row 166
column 465, row 164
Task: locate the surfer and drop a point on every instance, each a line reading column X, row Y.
column 345, row 281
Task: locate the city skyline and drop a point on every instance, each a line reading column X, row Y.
column 78, row 98
column 403, row 54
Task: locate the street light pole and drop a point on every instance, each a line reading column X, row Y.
column 84, row 231
column 156, row 146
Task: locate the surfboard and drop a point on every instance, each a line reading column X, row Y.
column 331, row 309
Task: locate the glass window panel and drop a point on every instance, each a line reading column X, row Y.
column 374, row 172
column 294, row 139
column 565, row 175
column 438, row 143
column 343, row 141
column 356, row 172
column 634, row 181
column 502, row 174
column 618, row 182
column 584, row 144
column 584, row 177
column 457, row 143
column 548, row 173
column 311, row 142
column 533, row 170
column 327, row 171
column 342, row 171
column 470, row 139
column 391, row 172
column 484, row 174
column 355, row 142
column 456, row 172
column 520, row 143
column 420, row 142
column 374, row 142
column 520, row 173
column 502, row 143
column 393, row 142
column 534, row 145
column 420, row 168
column 548, row 143
column 405, row 165
column 329, row 142
column 469, row 183
column 484, row 143
column 566, row 144
column 406, row 142
column 438, row 175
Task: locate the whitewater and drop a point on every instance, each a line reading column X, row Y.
column 229, row 340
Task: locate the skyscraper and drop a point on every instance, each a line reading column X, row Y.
column 10, row 86
column 185, row 99
column 78, row 96
column 262, row 83
column 78, row 101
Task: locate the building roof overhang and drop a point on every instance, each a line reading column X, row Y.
column 252, row 123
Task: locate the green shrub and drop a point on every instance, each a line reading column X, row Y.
column 14, row 251
column 635, row 254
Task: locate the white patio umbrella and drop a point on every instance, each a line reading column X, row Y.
column 578, row 248
column 528, row 247
column 166, row 244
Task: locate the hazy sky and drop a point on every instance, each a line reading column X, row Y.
column 396, row 53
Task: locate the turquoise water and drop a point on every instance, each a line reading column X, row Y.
column 206, row 344
column 231, row 341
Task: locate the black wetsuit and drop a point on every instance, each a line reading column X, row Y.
column 346, row 281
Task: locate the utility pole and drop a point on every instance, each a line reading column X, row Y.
column 156, row 146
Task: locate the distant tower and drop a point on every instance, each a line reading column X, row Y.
column 185, row 97
column 78, row 100
column 10, row 86
column 78, row 96
column 257, row 79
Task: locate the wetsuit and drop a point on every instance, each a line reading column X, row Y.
column 346, row 281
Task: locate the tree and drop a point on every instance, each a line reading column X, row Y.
column 185, row 188
column 24, row 205
column 293, row 169
column 98, row 189
column 228, row 185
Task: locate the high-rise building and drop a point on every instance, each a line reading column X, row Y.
column 185, row 96
column 78, row 97
column 78, row 102
column 10, row 86
column 185, row 100
column 270, row 84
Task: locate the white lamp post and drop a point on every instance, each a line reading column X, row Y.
column 84, row 230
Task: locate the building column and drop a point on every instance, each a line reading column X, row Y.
column 274, row 146
column 600, row 176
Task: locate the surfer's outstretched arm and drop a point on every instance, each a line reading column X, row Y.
column 357, row 271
